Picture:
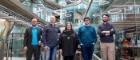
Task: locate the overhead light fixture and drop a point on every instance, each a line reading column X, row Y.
column 114, row 11
column 104, row 2
column 2, row 20
column 75, row 1
column 62, row 3
column 68, row 15
column 95, row 15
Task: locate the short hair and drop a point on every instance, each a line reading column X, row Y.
column 86, row 18
column 106, row 15
column 34, row 18
column 52, row 17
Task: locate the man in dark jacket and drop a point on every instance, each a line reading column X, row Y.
column 50, row 39
column 32, row 41
column 106, row 32
column 87, row 35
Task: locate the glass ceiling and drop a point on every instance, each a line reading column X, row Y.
column 65, row 9
column 75, row 10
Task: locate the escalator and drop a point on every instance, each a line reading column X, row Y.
column 4, row 32
column 11, row 40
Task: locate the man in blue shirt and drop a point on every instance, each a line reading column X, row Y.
column 87, row 35
column 32, row 41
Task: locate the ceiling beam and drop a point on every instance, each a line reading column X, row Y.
column 15, row 6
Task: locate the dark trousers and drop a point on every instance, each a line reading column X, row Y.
column 68, row 57
column 33, row 50
column 87, row 51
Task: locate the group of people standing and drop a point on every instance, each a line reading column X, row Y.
column 51, row 38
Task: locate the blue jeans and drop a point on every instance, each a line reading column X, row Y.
column 50, row 54
column 87, row 51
